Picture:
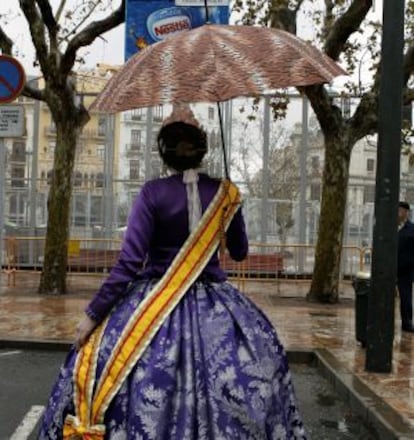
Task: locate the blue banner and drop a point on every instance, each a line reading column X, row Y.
column 149, row 21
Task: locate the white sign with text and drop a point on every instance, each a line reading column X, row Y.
column 12, row 122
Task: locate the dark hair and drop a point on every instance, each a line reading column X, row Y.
column 180, row 133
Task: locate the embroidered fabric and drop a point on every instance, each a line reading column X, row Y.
column 190, row 178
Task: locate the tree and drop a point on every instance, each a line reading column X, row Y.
column 343, row 29
column 57, row 37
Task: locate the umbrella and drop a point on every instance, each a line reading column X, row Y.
column 215, row 63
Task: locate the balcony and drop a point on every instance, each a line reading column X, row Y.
column 133, row 148
column 93, row 133
column 133, row 117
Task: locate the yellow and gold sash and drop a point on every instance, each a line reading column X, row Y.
column 90, row 407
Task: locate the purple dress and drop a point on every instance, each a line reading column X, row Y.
column 215, row 370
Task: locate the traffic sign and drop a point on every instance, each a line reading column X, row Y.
column 12, row 121
column 12, row 78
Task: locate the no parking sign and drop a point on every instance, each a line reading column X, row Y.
column 12, row 78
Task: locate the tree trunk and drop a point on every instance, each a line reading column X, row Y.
column 69, row 119
column 53, row 278
column 328, row 249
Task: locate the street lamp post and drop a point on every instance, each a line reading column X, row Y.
column 380, row 328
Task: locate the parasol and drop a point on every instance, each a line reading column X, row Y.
column 214, row 63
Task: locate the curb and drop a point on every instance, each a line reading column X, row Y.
column 385, row 420
column 35, row 344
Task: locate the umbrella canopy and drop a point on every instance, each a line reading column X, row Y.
column 215, row 63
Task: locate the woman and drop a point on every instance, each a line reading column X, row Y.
column 204, row 363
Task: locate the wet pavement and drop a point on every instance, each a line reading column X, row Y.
column 325, row 413
column 321, row 334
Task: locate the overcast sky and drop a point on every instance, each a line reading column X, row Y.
column 109, row 49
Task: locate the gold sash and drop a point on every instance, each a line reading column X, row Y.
column 90, row 407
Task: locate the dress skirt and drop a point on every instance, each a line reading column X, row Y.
column 215, row 370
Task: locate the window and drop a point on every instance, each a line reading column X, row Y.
column 134, row 169
column 315, row 164
column 370, row 165
column 158, row 113
column 99, row 182
column 100, row 152
column 77, row 179
column 80, row 148
column 17, row 176
column 211, row 113
column 16, row 206
column 102, row 126
column 79, row 210
column 155, row 168
column 136, row 114
column 136, row 139
column 315, row 191
column 154, row 144
column 96, row 213
column 369, row 194
column 18, row 152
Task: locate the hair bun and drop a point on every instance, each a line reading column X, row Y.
column 181, row 113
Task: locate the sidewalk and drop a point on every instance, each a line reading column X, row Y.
column 308, row 331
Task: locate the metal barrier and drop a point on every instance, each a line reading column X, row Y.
column 265, row 262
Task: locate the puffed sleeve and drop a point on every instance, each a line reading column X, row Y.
column 236, row 237
column 134, row 250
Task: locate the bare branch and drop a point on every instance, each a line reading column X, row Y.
column 298, row 5
column 346, row 25
column 365, row 119
column 408, row 64
column 88, row 35
column 81, row 22
column 321, row 102
column 60, row 10
column 34, row 93
column 329, row 17
column 282, row 17
column 6, row 44
column 48, row 19
column 37, row 30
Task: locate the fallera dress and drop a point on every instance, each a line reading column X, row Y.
column 215, row 370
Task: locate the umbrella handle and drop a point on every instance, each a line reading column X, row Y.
column 223, row 143
column 206, row 8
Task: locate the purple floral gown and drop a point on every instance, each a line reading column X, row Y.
column 215, row 370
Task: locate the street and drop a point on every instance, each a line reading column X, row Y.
column 25, row 383
column 28, row 375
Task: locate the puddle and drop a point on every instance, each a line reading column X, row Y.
column 325, row 414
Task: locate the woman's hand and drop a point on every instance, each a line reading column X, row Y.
column 83, row 330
